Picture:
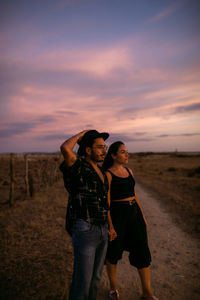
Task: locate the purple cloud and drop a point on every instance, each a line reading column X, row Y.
column 181, row 134
column 187, row 108
column 127, row 138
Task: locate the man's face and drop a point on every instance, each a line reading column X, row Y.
column 98, row 150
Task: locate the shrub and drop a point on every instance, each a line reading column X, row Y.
column 171, row 169
column 197, row 170
column 193, row 172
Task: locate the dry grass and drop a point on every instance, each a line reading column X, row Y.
column 42, row 172
column 175, row 179
column 36, row 251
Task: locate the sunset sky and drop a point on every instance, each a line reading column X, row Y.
column 129, row 67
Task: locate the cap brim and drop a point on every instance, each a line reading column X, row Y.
column 104, row 135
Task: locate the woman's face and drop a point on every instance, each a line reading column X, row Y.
column 121, row 156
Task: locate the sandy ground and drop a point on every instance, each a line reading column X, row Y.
column 175, row 267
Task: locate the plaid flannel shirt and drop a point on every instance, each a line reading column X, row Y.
column 87, row 193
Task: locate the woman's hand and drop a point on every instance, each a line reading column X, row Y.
column 112, row 234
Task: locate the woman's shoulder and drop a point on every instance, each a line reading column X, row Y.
column 108, row 172
column 109, row 175
column 129, row 170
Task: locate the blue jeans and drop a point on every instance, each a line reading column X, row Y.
column 90, row 246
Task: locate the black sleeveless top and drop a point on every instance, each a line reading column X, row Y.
column 122, row 187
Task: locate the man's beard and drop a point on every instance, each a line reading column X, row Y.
column 97, row 158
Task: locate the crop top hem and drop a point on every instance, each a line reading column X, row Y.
column 122, row 187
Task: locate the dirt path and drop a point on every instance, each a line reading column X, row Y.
column 175, row 265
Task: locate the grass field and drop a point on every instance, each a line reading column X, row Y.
column 36, row 252
column 175, row 179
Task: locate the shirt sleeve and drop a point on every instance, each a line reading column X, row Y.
column 70, row 173
column 65, row 169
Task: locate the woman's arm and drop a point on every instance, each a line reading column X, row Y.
column 138, row 202
column 111, row 231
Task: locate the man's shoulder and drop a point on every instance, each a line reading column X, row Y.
column 65, row 168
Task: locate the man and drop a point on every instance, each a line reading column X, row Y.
column 88, row 205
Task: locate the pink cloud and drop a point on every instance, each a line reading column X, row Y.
column 167, row 12
column 119, row 92
column 98, row 61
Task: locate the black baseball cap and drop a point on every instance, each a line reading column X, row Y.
column 88, row 139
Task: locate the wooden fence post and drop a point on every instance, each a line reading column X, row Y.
column 27, row 177
column 12, row 179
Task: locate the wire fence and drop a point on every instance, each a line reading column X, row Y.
column 24, row 175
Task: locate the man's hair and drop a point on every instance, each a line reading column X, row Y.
column 88, row 144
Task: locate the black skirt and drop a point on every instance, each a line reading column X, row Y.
column 131, row 232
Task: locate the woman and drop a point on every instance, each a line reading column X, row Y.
column 126, row 221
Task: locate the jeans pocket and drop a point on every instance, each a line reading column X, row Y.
column 82, row 226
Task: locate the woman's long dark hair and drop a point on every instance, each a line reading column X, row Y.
column 108, row 161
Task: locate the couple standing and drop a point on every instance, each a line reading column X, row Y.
column 102, row 206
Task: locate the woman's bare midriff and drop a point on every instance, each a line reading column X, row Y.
column 125, row 199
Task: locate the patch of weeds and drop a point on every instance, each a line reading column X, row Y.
column 194, row 172
column 5, row 183
column 171, row 169
column 197, row 170
column 185, row 155
column 179, row 155
column 145, row 153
